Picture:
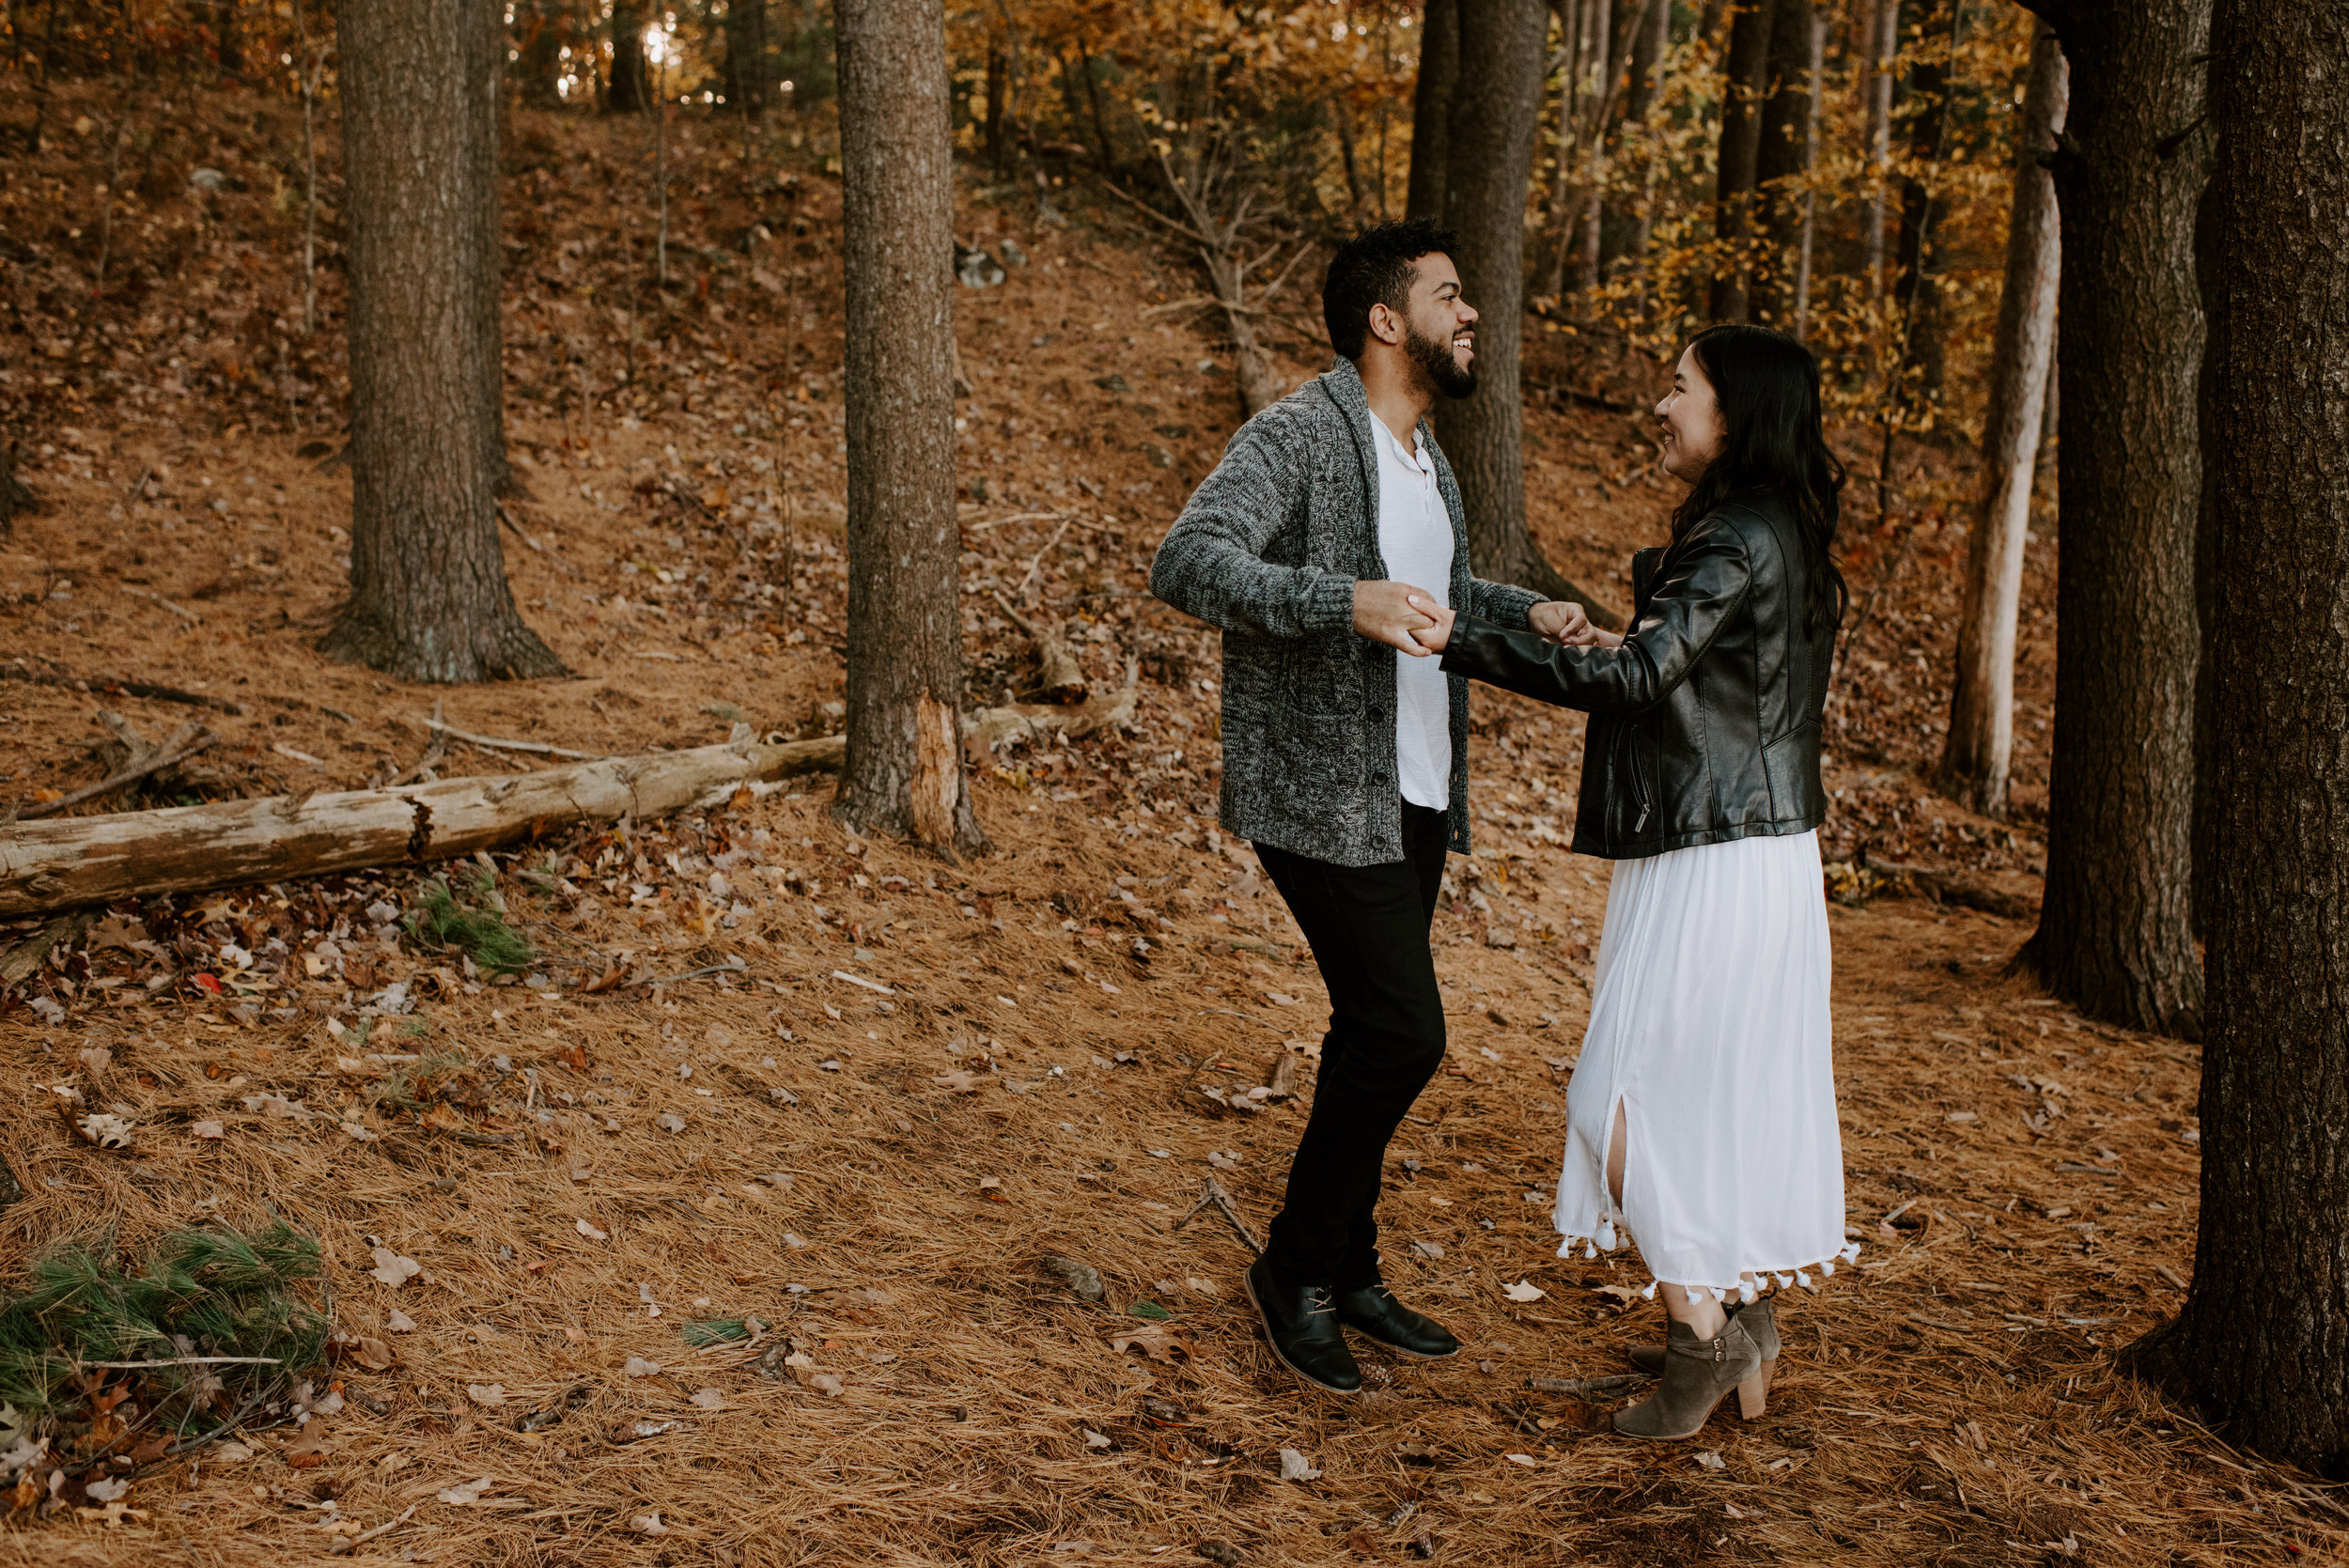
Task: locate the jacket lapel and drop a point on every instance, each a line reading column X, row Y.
column 1343, row 385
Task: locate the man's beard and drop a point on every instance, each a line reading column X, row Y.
column 1434, row 358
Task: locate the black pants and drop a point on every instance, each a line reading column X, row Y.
column 1368, row 927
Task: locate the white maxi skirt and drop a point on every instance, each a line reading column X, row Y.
column 1709, row 1027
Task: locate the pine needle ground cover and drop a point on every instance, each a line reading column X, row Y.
column 753, row 1269
column 542, row 1235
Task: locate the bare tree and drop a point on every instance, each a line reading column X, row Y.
column 2262, row 1344
column 1982, row 702
column 2115, row 935
column 429, row 596
column 904, row 768
column 1218, row 205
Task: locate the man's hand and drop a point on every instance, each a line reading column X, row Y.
column 1436, row 636
column 1384, row 612
column 1562, row 622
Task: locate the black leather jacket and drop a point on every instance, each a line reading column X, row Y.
column 1704, row 724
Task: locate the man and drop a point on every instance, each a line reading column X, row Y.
column 1344, row 746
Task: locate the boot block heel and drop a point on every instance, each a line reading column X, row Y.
column 1753, row 1394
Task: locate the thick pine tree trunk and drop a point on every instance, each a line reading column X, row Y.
column 2263, row 1344
column 904, row 768
column 1496, row 103
column 1431, row 109
column 1980, row 742
column 1781, row 159
column 429, row 596
column 1738, row 163
column 2114, row 935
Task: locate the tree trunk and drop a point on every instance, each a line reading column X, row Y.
column 1883, row 44
column 1806, row 235
column 541, row 28
column 629, row 85
column 998, row 88
column 1495, row 108
column 1781, row 160
column 1602, row 53
column 2262, row 1344
column 1922, row 365
column 429, row 596
column 1746, row 77
column 746, row 56
column 1431, row 108
column 75, row 861
column 1093, row 101
column 1982, row 702
column 905, row 620
column 1647, row 56
column 2114, row 935
column 227, row 38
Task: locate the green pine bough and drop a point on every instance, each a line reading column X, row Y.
column 215, row 1322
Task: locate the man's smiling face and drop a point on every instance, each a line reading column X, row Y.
column 1439, row 327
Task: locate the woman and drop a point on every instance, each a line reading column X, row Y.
column 1702, row 1115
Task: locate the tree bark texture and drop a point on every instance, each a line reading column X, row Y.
column 1781, row 159
column 1981, row 743
column 1737, row 161
column 904, row 622
column 2262, row 1344
column 1496, row 105
column 2114, row 931
column 74, row 861
column 1883, row 45
column 630, row 85
column 1922, row 362
column 1431, row 108
column 429, row 596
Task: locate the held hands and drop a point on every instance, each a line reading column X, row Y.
column 1395, row 613
column 1552, row 620
column 1568, row 626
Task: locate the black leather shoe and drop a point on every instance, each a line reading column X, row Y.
column 1303, row 1329
column 1374, row 1311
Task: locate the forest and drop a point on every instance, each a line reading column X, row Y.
column 615, row 941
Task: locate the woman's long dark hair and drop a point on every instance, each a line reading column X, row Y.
column 1767, row 386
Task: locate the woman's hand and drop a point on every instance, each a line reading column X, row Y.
column 1433, row 638
column 1559, row 622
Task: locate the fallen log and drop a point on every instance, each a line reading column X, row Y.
column 68, row 861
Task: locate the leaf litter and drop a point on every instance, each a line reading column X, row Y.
column 886, row 1193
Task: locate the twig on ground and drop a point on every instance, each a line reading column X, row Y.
column 119, row 687
column 179, row 610
column 181, row 747
column 1585, row 1388
column 187, row 1361
column 537, row 748
column 732, row 966
column 1211, row 1193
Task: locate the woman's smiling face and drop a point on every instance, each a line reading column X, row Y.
column 1693, row 431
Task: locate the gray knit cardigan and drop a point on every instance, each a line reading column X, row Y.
column 1269, row 549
